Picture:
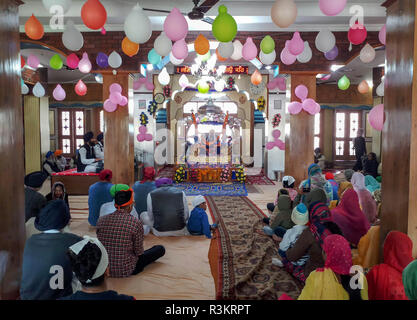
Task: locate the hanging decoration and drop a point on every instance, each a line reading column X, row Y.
column 25, row 88
column 380, row 89
column 180, row 49
column 85, row 65
column 249, row 50
column 38, row 90
column 115, row 60
column 59, row 93
column 201, row 45
column 383, row 34
column 226, row 49
column 143, row 134
column 73, row 61
column 175, row 25
column 367, row 54
column 344, row 83
column 56, row 62
column 167, row 91
column 230, row 83
column 72, row 38
column 267, row 59
column 176, row 61
column 22, row 62
column 203, row 87
column 325, row 41
column 357, row 33
column 153, row 57
column 332, row 54
column 179, row 175
column 256, row 77
column 115, row 98
column 307, row 104
column 225, row 174
column 143, row 118
column 219, row 57
column 296, row 44
column 129, row 48
column 286, row 56
column 376, row 117
column 363, row 87
column 306, row 55
column 93, row 14
column 164, row 77
column 277, row 83
column 137, row 26
column 240, row 174
column 147, row 82
column 102, row 60
column 193, row 174
column 224, row 27
column 284, row 13
column 80, row 88
column 33, row 61
column 276, row 120
column 162, row 45
column 152, row 107
column 267, row 45
column 332, row 7
column 237, row 50
column 34, row 29
column 277, row 142
column 261, row 103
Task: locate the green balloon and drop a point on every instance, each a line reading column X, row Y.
column 344, row 83
column 203, row 87
column 267, row 45
column 56, row 62
column 205, row 57
column 224, row 27
column 153, row 57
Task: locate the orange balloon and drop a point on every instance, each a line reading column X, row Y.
column 219, row 57
column 34, row 29
column 93, row 14
column 129, row 48
column 363, row 87
column 201, row 45
column 256, row 78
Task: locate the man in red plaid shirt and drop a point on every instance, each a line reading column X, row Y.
column 122, row 236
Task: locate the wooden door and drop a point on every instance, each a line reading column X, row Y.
column 71, row 130
column 346, row 127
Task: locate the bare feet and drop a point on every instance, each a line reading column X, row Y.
column 260, row 232
column 276, row 238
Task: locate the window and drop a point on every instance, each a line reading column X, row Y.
column 101, row 121
column 346, row 128
column 71, row 130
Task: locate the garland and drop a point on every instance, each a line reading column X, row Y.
column 240, row 175
column 230, row 83
column 167, row 91
column 153, row 106
column 193, row 175
column 261, row 104
column 143, row 119
column 276, row 120
column 225, row 175
column 179, row 175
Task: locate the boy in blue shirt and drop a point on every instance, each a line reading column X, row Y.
column 198, row 223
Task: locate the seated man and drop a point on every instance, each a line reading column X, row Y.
column 61, row 161
column 168, row 211
column 46, row 270
column 87, row 161
column 122, row 236
column 198, row 223
column 99, row 147
column 143, row 188
column 50, row 165
column 99, row 194
column 109, row 208
column 34, row 201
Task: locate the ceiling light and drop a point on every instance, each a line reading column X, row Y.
column 336, row 67
column 268, row 67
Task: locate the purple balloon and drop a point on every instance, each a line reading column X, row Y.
column 332, row 54
column 102, row 60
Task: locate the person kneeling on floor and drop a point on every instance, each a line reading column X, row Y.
column 198, row 223
column 89, row 261
column 122, row 236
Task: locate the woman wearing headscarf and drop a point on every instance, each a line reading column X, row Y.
column 410, row 280
column 99, row 194
column 371, row 183
column 348, row 174
column 344, row 185
column 366, row 201
column 333, row 281
column 316, row 181
column 385, row 279
column 350, row 218
column 311, row 239
column 367, row 254
column 58, row 192
column 143, row 188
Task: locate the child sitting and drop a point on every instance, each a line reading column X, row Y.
column 288, row 184
column 280, row 220
column 198, row 223
column 299, row 217
column 335, row 186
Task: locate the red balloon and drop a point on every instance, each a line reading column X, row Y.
column 22, row 62
column 357, row 33
column 94, row 14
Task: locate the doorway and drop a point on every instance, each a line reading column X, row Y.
column 71, row 126
column 346, row 128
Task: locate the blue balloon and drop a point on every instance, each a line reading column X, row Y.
column 102, row 60
column 153, row 57
column 332, row 54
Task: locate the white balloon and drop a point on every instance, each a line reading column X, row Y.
column 269, row 58
column 25, row 89
column 367, row 54
column 219, row 85
column 226, row 49
column 72, row 38
column 115, row 60
column 174, row 60
column 162, row 45
column 38, row 90
column 325, row 41
column 138, row 27
column 237, row 50
column 183, row 81
column 306, row 55
column 164, row 77
column 380, row 91
column 65, row 4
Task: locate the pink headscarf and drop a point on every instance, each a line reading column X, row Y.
column 366, row 200
column 338, row 254
column 350, row 218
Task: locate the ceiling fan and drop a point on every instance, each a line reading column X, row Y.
column 197, row 13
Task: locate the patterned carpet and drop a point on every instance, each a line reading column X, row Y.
column 243, row 256
column 213, row 189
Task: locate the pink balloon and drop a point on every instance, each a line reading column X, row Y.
column 123, row 101
column 296, row 45
column 33, row 61
column 249, row 50
column 142, row 129
column 175, row 26
column 180, row 49
column 309, row 105
column 276, row 134
column 270, row 145
column 59, row 93
column 115, row 97
column 282, row 84
column 286, row 57
column 140, row 137
column 72, row 61
column 115, row 87
column 295, row 107
column 148, row 137
column 332, row 7
column 149, row 86
column 383, row 34
column 109, row 106
column 301, row 92
column 280, row 144
column 376, row 117
column 272, row 84
column 318, row 108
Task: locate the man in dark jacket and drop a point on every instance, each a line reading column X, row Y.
column 46, row 270
column 360, row 149
column 34, row 201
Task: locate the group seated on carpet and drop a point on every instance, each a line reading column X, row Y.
column 318, row 244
